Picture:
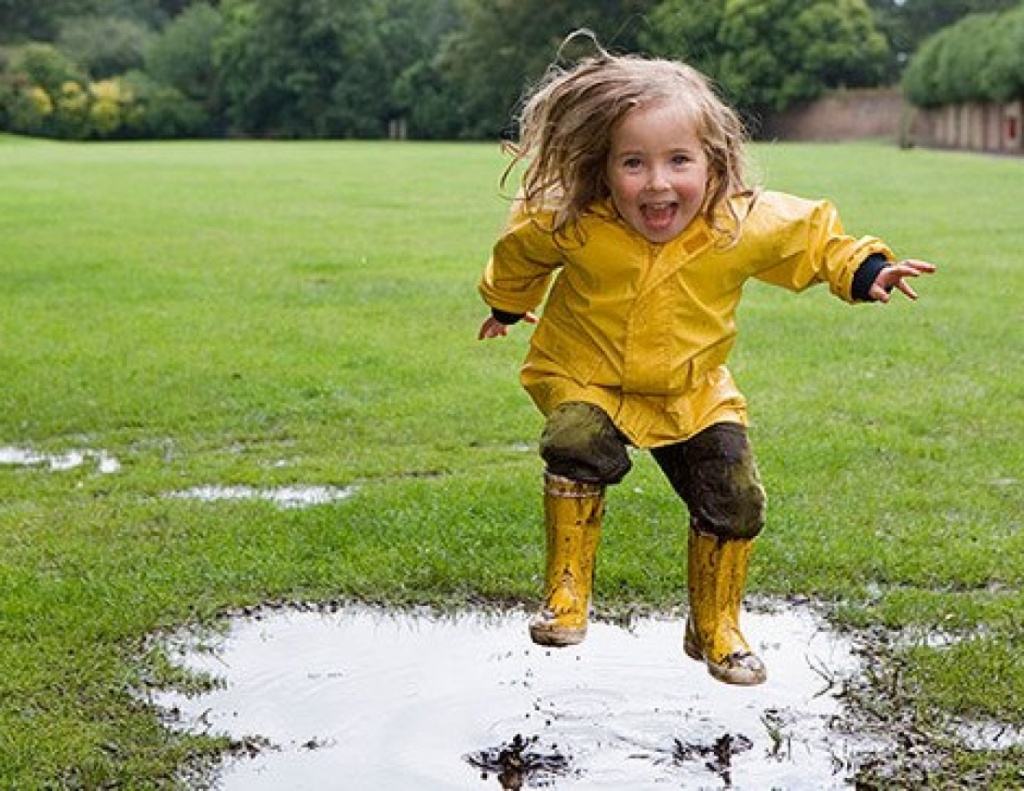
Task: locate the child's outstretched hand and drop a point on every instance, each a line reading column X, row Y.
column 492, row 328
column 894, row 277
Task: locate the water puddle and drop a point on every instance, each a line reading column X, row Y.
column 25, row 457
column 283, row 496
column 418, row 700
column 294, row 496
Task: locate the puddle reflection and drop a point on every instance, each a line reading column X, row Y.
column 363, row 698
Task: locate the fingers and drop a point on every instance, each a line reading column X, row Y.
column 895, row 276
column 917, row 267
column 904, row 286
column 491, row 328
column 879, row 294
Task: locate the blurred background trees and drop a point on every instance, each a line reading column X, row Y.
column 455, row 69
column 978, row 59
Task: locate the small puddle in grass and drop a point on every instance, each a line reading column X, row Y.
column 362, row 698
column 283, row 496
column 69, row 460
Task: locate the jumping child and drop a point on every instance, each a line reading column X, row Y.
column 635, row 210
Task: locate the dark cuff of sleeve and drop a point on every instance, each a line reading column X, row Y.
column 865, row 276
column 506, row 318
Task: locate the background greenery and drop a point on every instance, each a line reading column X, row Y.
column 268, row 314
column 979, row 59
column 439, row 69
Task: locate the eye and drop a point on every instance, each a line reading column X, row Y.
column 631, row 163
column 678, row 160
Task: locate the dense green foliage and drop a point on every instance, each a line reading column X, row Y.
column 768, row 54
column 908, row 23
column 979, row 59
column 304, row 313
column 428, row 70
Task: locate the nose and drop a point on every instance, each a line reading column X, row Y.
column 657, row 180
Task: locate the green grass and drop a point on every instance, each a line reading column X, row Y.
column 276, row 313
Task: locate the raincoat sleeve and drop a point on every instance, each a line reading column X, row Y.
column 521, row 266
column 810, row 245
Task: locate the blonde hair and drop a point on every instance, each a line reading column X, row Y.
column 566, row 126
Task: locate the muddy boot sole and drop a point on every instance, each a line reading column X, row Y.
column 556, row 636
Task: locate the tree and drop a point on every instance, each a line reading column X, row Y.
column 776, row 52
column 767, row 54
column 152, row 14
column 36, row 20
column 906, row 24
column 182, row 55
column 411, row 33
column 687, row 30
column 321, row 68
column 503, row 46
column 421, row 95
column 102, row 45
column 298, row 69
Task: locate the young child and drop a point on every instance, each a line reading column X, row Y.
column 635, row 210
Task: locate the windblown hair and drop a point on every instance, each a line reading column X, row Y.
column 566, row 126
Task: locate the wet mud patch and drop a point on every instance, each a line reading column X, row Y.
column 428, row 701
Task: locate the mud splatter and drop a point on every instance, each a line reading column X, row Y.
column 521, row 761
column 717, row 756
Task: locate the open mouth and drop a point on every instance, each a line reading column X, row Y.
column 659, row 216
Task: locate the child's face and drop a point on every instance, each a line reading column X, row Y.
column 657, row 171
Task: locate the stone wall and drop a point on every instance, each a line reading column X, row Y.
column 871, row 113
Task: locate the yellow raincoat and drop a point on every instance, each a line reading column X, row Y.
column 643, row 330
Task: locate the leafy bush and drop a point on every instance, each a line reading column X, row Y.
column 71, row 109
column 979, row 59
column 45, row 66
column 164, row 112
column 44, row 93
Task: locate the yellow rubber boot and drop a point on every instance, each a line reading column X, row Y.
column 717, row 574
column 572, row 513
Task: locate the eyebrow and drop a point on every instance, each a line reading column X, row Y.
column 639, row 152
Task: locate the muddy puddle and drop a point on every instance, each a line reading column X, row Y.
column 366, row 699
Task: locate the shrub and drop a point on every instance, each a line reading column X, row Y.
column 71, row 111
column 163, row 111
column 979, row 59
column 45, row 66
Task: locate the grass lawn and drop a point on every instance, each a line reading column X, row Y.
column 273, row 314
